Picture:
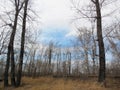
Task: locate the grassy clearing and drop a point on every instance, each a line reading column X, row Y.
column 49, row 83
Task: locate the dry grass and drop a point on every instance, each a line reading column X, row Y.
column 1, row 86
column 49, row 83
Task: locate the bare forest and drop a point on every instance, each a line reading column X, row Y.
column 90, row 61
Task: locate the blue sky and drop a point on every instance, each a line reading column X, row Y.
column 56, row 17
column 57, row 34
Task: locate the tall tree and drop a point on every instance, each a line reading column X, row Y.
column 69, row 63
column 85, row 40
column 50, row 50
column 19, row 74
column 10, row 54
column 93, row 13
column 100, row 41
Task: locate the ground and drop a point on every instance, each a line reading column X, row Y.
column 49, row 83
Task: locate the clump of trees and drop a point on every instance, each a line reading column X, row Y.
column 18, row 6
column 25, row 56
column 14, row 21
column 93, row 12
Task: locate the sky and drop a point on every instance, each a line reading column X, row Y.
column 56, row 17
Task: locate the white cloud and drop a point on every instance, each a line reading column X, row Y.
column 71, row 33
column 55, row 12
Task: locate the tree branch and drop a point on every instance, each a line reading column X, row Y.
column 93, row 1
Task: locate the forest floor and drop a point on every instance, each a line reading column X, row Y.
column 49, row 83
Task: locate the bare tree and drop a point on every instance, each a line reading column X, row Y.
column 3, row 40
column 113, row 38
column 10, row 54
column 19, row 74
column 85, row 39
column 100, row 40
column 93, row 12
column 50, row 51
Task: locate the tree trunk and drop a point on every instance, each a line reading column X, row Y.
column 69, row 58
column 100, row 43
column 87, row 71
column 49, row 57
column 19, row 74
column 94, row 57
column 57, row 55
column 10, row 55
column 7, row 67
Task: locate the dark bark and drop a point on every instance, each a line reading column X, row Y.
column 50, row 56
column 10, row 55
column 10, row 52
column 57, row 55
column 19, row 74
column 69, row 63
column 94, row 57
column 7, row 68
column 13, row 83
column 101, row 77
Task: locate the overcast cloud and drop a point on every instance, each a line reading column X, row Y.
column 57, row 15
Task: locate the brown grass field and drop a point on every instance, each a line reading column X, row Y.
column 49, row 83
